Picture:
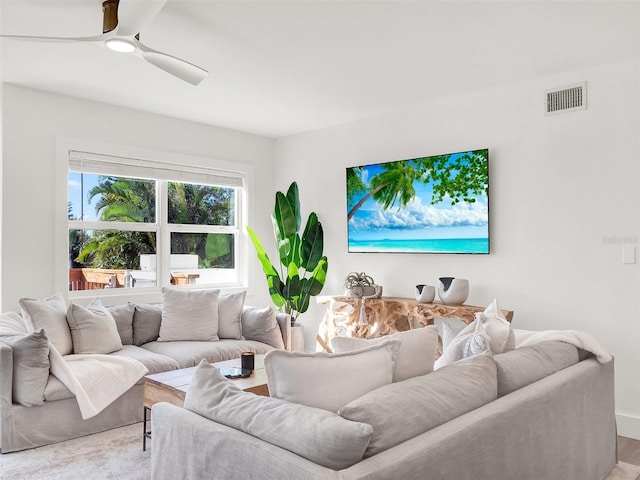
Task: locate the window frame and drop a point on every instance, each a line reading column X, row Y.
column 195, row 174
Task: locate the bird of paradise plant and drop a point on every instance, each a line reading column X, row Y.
column 302, row 268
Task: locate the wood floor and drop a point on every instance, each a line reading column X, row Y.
column 629, row 451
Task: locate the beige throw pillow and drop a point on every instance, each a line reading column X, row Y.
column 146, row 323
column 51, row 315
column 416, row 354
column 230, row 315
column 30, row 366
column 317, row 435
column 189, row 315
column 123, row 315
column 11, row 323
column 329, row 380
column 93, row 328
column 403, row 410
column 261, row 325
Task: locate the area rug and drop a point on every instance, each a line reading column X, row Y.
column 114, row 454
column 117, row 455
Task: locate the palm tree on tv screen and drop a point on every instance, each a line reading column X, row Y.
column 458, row 178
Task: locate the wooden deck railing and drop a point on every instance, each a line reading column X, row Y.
column 100, row 278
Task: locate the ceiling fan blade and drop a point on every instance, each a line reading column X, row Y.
column 30, row 38
column 134, row 15
column 175, row 66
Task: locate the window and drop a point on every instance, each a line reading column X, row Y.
column 135, row 223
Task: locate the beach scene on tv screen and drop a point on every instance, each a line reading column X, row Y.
column 435, row 204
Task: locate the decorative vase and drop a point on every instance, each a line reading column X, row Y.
column 425, row 293
column 453, row 291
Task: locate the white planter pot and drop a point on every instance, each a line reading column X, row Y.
column 297, row 338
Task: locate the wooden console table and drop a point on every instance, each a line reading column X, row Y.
column 384, row 316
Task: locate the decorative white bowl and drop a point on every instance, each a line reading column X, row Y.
column 453, row 291
column 425, row 293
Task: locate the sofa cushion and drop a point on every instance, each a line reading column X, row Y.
column 123, row 315
column 30, row 366
column 50, row 314
column 230, row 315
column 317, row 435
column 261, row 325
column 189, row 315
column 523, row 366
column 189, row 353
column 155, row 362
column 416, row 354
column 329, row 380
column 402, row 410
column 93, row 329
column 56, row 390
column 146, row 323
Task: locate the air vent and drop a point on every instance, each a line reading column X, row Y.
column 566, row 99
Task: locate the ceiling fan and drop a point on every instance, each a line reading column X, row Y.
column 122, row 22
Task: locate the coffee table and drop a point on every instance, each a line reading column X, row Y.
column 172, row 387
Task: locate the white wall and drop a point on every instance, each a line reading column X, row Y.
column 564, row 198
column 34, row 185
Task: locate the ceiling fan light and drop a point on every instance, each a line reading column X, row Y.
column 120, row 45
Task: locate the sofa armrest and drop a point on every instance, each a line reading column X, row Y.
column 284, row 322
column 218, row 452
column 6, row 374
column 6, row 395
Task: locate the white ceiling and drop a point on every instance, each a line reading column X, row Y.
column 281, row 68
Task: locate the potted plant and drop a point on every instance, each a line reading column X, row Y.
column 302, row 269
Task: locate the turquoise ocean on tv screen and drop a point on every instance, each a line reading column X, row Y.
column 439, row 245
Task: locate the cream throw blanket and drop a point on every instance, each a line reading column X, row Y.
column 576, row 338
column 96, row 380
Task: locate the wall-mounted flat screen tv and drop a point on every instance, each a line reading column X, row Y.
column 436, row 204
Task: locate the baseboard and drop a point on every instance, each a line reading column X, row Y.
column 628, row 426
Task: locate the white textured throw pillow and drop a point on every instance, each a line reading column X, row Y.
column 93, row 328
column 230, row 315
column 489, row 332
column 189, row 315
column 472, row 340
column 415, row 356
column 323, row 437
column 329, row 380
column 498, row 328
column 453, row 327
column 49, row 314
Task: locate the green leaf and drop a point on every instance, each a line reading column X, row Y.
column 318, row 278
column 293, row 196
column 276, row 287
column 285, row 216
column 312, row 243
column 293, row 286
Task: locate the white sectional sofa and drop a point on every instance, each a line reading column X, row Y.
column 540, row 412
column 57, row 417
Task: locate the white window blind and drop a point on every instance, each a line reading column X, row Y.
column 139, row 168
